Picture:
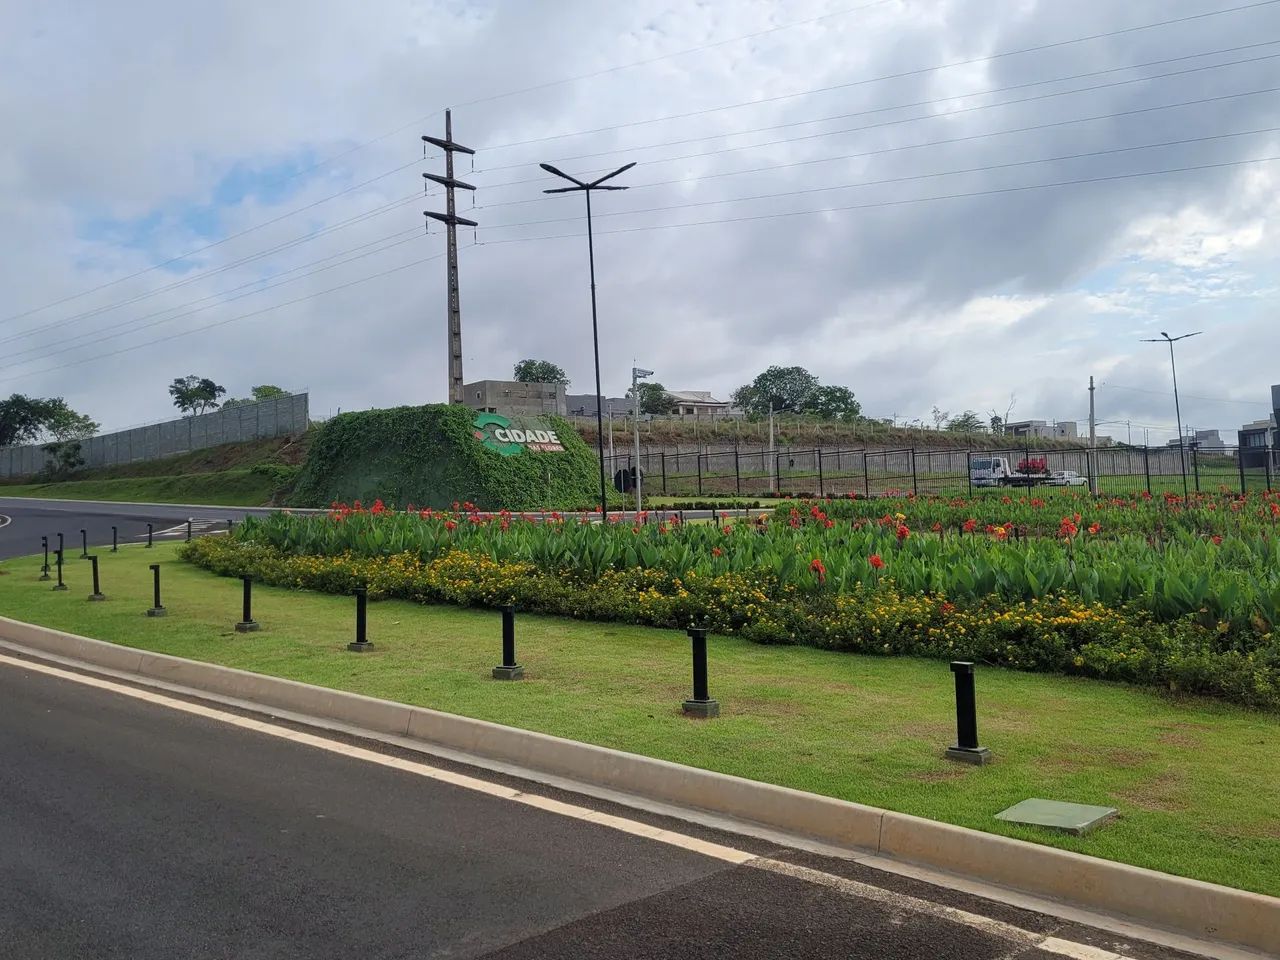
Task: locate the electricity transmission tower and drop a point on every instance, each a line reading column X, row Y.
column 451, row 220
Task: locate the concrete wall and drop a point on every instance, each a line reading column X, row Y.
column 269, row 418
column 515, row 399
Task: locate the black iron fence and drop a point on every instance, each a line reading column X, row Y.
column 758, row 472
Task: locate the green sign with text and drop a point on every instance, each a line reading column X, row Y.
column 503, row 436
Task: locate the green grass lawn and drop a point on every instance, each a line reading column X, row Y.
column 233, row 488
column 1194, row 780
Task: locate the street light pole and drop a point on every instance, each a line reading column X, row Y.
column 1177, row 407
column 586, row 188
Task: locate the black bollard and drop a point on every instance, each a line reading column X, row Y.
column 231, row 525
column 115, row 539
column 188, row 531
column 966, row 749
column 701, row 705
column 509, row 670
column 247, row 624
column 148, row 536
column 59, row 550
column 157, row 610
column 97, row 591
column 362, row 643
column 84, row 545
column 44, row 570
column 58, row 562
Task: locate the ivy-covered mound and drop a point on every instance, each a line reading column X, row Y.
column 431, row 456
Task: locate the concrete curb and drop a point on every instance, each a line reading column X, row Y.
column 1189, row 907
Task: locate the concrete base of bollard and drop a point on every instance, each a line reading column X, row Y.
column 703, row 709
column 978, row 756
column 157, row 612
column 61, row 586
column 360, row 647
column 248, row 626
column 508, row 673
column 97, row 596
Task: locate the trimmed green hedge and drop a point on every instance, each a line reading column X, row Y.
column 429, row 456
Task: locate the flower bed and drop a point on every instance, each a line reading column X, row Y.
column 1195, row 616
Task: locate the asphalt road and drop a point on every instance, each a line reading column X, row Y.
column 24, row 521
column 134, row 830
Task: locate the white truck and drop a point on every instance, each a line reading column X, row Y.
column 996, row 472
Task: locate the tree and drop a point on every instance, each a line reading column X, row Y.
column 833, row 403
column 266, row 391
column 194, row 395
column 67, row 459
column 967, row 422
column 779, row 388
column 540, row 371
column 24, row 419
column 654, row 398
column 997, row 421
column 939, row 417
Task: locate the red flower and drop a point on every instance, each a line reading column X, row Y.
column 903, row 532
column 970, row 526
column 450, row 525
column 1095, row 527
column 1068, row 529
column 727, row 531
column 1216, row 540
column 816, row 566
column 876, row 561
column 937, row 528
column 717, row 552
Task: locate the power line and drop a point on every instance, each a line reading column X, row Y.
column 207, row 246
column 903, row 106
column 220, row 298
column 390, row 133
column 213, row 271
column 892, row 76
column 905, row 179
column 903, row 202
column 678, row 53
column 1189, row 396
column 222, row 323
column 895, row 149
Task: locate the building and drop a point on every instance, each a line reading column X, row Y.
column 1206, row 441
column 1259, row 437
column 1042, row 429
column 697, row 403
column 584, row 405
column 511, row 398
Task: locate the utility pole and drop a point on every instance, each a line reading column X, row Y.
column 773, row 456
column 637, row 374
column 1093, row 444
column 451, row 220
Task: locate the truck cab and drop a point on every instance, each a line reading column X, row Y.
column 989, row 471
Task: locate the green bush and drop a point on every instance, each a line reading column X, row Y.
column 429, row 456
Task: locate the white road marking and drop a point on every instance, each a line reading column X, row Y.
column 850, row 888
column 5, row 521
column 198, row 526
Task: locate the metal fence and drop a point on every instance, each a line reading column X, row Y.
column 759, row 472
column 249, row 421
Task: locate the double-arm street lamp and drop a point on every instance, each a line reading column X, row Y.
column 586, row 188
column 1177, row 408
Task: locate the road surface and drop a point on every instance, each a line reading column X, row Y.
column 136, row 826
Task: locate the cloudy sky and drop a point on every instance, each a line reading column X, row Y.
column 934, row 202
